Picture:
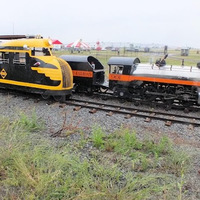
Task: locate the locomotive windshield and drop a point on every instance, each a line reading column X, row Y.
column 123, row 69
column 40, row 52
column 117, row 69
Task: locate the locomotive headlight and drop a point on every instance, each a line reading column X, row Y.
column 50, row 42
column 25, row 46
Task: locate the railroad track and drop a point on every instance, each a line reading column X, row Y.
column 110, row 109
column 148, row 115
column 156, row 103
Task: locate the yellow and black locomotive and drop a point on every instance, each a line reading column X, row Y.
column 28, row 64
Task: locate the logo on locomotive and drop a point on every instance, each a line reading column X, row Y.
column 3, row 73
column 79, row 73
column 115, row 77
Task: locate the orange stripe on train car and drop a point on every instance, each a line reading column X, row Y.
column 128, row 78
column 80, row 73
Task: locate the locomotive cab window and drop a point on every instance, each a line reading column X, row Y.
column 127, row 69
column 40, row 52
column 117, row 69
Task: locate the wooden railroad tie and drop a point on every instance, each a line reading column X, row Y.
column 152, row 114
column 168, row 123
column 147, row 119
column 134, row 111
column 109, row 113
column 77, row 108
column 128, row 116
column 93, row 111
column 62, row 105
column 191, row 127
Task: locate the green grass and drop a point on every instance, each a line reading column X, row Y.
column 145, row 154
column 97, row 137
column 31, row 123
column 100, row 167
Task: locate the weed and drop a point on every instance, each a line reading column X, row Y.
column 140, row 161
column 177, row 162
column 110, row 145
column 97, row 137
column 126, row 142
column 30, row 123
column 67, row 128
column 180, row 185
column 164, row 146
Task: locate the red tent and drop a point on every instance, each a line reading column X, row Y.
column 98, row 46
column 56, row 42
column 79, row 44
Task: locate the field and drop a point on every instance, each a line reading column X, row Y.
column 100, row 166
column 174, row 56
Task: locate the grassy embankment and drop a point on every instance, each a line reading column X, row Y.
column 113, row 166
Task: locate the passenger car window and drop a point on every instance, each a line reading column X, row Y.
column 19, row 58
column 4, row 57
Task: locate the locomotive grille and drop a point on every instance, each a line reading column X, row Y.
column 66, row 73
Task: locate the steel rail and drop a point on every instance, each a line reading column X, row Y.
column 134, row 112
column 106, row 96
column 138, row 109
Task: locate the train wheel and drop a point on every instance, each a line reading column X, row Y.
column 137, row 103
column 153, row 105
column 187, row 106
column 45, row 96
column 115, row 91
column 89, row 91
column 77, row 88
column 186, row 110
column 168, row 104
column 168, row 107
column 59, row 98
column 68, row 96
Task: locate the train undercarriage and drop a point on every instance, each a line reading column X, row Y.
column 168, row 94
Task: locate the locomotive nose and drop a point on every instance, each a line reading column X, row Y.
column 67, row 76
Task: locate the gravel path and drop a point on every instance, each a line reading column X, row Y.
column 53, row 115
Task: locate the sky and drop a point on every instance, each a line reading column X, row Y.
column 167, row 22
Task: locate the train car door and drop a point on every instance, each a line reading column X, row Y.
column 20, row 66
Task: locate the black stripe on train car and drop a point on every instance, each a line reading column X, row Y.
column 11, row 48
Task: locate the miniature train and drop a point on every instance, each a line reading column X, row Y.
column 27, row 64
column 128, row 78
